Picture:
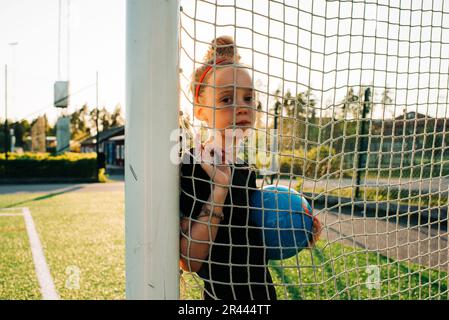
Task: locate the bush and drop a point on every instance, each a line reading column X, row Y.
column 43, row 165
column 292, row 163
column 322, row 161
column 102, row 176
column 318, row 162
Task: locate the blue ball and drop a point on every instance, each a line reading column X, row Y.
column 286, row 219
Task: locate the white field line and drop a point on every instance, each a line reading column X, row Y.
column 44, row 278
column 11, row 215
column 12, row 209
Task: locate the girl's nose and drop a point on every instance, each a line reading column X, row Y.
column 242, row 110
column 243, row 107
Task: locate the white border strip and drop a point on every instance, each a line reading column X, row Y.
column 44, row 278
column 12, row 209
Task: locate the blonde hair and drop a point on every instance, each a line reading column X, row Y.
column 220, row 48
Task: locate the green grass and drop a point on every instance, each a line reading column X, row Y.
column 79, row 231
column 17, row 276
column 341, row 272
column 85, row 231
column 337, row 271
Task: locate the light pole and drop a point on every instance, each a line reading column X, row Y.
column 6, row 113
column 97, row 146
column 11, row 44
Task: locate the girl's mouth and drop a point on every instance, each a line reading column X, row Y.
column 243, row 123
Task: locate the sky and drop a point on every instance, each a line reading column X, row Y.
column 328, row 46
column 97, row 43
column 290, row 44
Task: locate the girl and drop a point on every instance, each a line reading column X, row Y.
column 217, row 239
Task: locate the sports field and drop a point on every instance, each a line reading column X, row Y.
column 342, row 272
column 82, row 238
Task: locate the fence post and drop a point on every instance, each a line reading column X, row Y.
column 361, row 161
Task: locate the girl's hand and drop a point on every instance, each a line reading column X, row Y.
column 316, row 231
column 184, row 224
column 214, row 165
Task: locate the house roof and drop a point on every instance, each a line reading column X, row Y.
column 118, row 138
column 105, row 135
column 412, row 115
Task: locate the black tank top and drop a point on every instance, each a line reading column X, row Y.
column 236, row 269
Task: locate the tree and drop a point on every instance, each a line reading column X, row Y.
column 353, row 103
column 301, row 106
column 386, row 103
column 306, row 103
column 49, row 129
column 301, row 111
column 350, row 104
column 296, row 116
column 80, row 123
column 117, row 118
column 22, row 129
column 105, row 119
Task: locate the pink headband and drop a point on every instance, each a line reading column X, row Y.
column 197, row 91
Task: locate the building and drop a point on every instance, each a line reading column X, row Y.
column 407, row 139
column 50, row 144
column 112, row 144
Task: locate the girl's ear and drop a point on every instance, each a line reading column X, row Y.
column 199, row 113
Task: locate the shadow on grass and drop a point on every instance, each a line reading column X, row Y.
column 330, row 272
column 405, row 220
column 293, row 291
column 44, row 197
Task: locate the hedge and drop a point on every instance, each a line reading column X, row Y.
column 44, row 165
column 316, row 163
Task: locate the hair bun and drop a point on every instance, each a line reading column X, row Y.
column 222, row 47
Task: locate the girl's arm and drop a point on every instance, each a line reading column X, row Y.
column 197, row 235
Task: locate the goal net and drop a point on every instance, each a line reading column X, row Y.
column 350, row 106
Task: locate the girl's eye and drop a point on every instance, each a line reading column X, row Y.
column 226, row 100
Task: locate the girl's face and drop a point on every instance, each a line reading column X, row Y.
column 227, row 100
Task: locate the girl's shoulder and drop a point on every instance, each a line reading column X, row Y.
column 245, row 169
column 244, row 165
column 187, row 156
column 190, row 164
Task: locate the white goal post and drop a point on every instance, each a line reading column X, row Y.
column 151, row 222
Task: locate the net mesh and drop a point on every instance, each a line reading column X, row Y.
column 351, row 112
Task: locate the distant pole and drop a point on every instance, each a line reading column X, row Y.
column 6, row 113
column 59, row 38
column 362, row 144
column 97, row 145
column 276, row 114
column 68, row 39
column 11, row 45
